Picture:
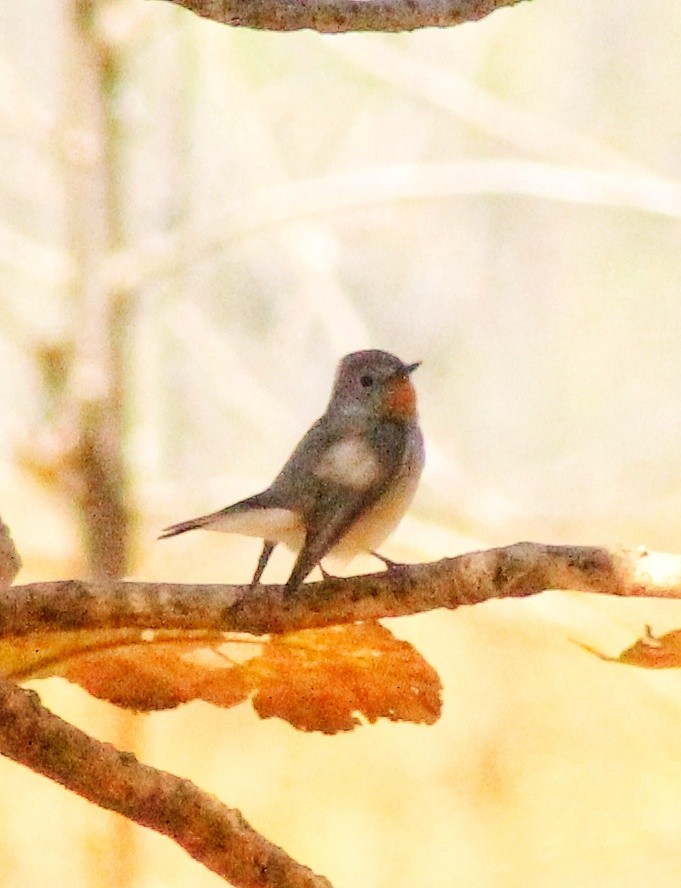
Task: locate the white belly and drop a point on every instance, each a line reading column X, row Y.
column 276, row 525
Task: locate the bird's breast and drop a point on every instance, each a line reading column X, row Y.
column 370, row 530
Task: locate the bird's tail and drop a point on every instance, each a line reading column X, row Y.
column 184, row 526
column 249, row 517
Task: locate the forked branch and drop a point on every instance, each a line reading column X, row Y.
column 211, row 833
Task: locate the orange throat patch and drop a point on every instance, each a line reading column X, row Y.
column 400, row 398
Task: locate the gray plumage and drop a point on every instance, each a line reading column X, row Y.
column 348, row 481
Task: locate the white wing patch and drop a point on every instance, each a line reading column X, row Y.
column 351, row 463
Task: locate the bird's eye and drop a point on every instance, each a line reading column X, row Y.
column 366, row 380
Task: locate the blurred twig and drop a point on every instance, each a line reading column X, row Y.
column 415, row 74
column 101, row 314
column 213, row 834
column 36, row 261
column 163, row 255
column 10, row 562
column 334, row 16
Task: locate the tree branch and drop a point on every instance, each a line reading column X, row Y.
column 159, row 257
column 510, row 572
column 335, row 16
column 213, row 834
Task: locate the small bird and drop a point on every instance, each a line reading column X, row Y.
column 347, row 484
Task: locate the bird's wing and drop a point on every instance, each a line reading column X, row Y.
column 293, row 490
column 351, row 471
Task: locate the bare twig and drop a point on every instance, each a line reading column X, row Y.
column 270, row 208
column 334, row 16
column 515, row 571
column 213, row 834
column 414, row 73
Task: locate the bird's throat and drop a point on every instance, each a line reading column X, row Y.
column 400, row 399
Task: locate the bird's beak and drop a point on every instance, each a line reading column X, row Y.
column 411, row 367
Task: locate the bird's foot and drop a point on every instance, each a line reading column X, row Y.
column 326, row 574
column 389, row 563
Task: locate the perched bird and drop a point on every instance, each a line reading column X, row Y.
column 347, row 484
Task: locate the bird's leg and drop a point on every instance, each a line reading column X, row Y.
column 267, row 550
column 390, row 565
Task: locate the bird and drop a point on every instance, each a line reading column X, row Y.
column 349, row 480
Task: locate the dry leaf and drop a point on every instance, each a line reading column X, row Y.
column 318, row 679
column 650, row 651
column 324, row 679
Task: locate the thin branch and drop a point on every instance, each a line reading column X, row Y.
column 515, row 571
column 335, row 16
column 162, row 255
column 415, row 73
column 211, row 833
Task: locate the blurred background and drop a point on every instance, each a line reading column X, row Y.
column 195, row 224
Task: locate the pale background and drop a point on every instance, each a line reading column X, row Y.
column 501, row 200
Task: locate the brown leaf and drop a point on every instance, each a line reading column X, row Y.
column 654, row 653
column 324, row 679
column 158, row 676
column 650, row 651
column 319, row 679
